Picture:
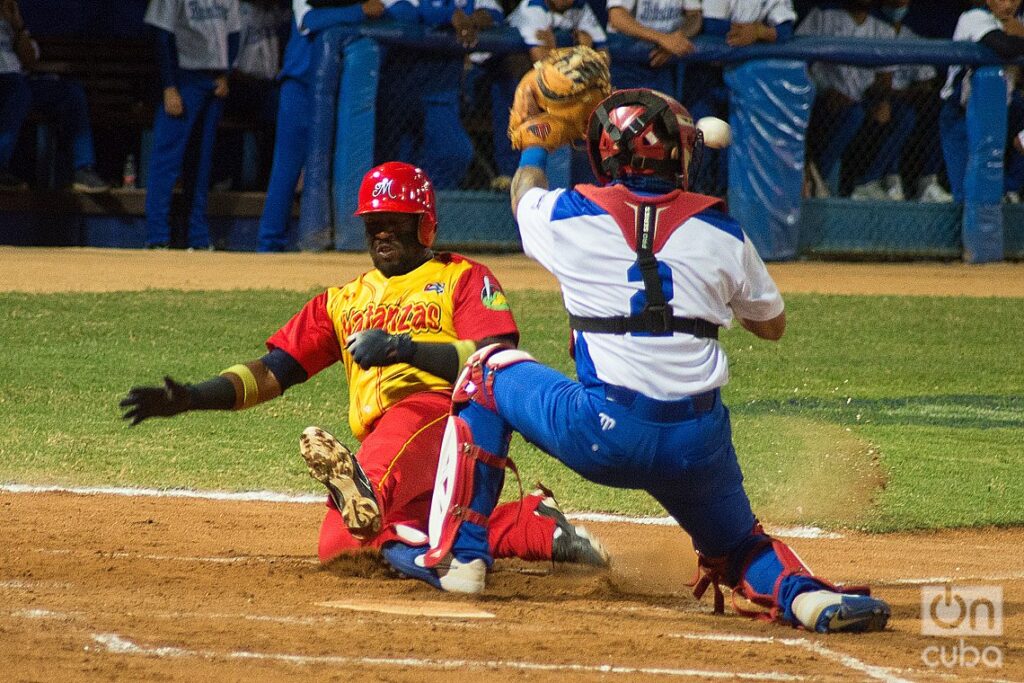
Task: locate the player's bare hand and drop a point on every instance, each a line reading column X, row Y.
column 373, row 9
column 173, row 104
column 546, row 37
column 583, row 38
column 465, row 28
column 10, row 11
column 741, row 35
column 1014, row 27
column 145, row 402
column 374, row 348
column 882, row 113
column 675, row 43
column 659, row 57
column 220, row 87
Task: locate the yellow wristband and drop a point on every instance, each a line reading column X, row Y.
column 251, row 389
column 464, row 348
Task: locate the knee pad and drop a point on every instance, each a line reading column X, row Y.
column 476, row 382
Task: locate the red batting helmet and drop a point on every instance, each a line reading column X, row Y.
column 399, row 187
column 641, row 132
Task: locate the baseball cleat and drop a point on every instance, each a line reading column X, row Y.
column 335, row 467
column 830, row 612
column 571, row 543
column 450, row 575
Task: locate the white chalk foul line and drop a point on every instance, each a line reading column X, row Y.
column 275, row 497
column 117, row 644
column 879, row 673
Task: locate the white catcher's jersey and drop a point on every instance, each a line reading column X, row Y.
column 665, row 16
column 200, row 29
column 772, row 12
column 852, row 81
column 716, row 273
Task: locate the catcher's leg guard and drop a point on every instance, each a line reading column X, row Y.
column 766, row 572
column 474, row 453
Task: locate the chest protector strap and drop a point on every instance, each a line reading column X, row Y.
column 656, row 316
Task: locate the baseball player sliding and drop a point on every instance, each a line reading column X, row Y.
column 649, row 274
column 403, row 330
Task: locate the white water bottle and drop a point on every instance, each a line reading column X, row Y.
column 128, row 178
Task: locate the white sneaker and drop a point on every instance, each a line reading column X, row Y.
column 870, row 191
column 456, row 577
column 1012, row 197
column 931, row 192
column 894, row 185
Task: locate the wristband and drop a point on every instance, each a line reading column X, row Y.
column 534, row 156
column 464, row 348
column 251, row 389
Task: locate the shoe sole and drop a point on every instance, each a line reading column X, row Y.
column 334, row 466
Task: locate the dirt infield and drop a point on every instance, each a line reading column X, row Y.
column 113, row 587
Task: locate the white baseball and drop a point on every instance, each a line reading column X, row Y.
column 717, row 133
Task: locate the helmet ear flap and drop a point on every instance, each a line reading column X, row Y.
column 696, row 157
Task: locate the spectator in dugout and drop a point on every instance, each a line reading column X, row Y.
column 538, row 20
column 253, row 92
column 420, row 93
column 297, row 80
column 998, row 27
column 915, row 90
column 196, row 43
column 60, row 100
column 848, row 96
column 740, row 23
column 666, row 27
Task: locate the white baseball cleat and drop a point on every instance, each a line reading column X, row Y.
column 826, row 611
column 335, row 467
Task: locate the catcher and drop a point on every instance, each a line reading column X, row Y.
column 649, row 274
column 403, row 331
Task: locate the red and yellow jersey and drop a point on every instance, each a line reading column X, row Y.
column 446, row 299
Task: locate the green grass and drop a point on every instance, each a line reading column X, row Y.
column 875, row 412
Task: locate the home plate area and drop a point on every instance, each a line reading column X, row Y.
column 115, row 587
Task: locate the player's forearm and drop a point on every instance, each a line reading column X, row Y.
column 530, row 174
column 623, row 22
column 772, row 329
column 252, row 383
column 443, row 359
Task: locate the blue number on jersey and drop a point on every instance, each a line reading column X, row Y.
column 639, row 300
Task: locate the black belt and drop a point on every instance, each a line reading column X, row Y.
column 654, row 410
column 652, row 323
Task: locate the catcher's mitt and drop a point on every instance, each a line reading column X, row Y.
column 554, row 99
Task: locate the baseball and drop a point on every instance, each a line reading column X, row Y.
column 717, row 133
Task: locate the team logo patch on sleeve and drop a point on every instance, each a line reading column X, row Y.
column 492, row 297
column 436, row 287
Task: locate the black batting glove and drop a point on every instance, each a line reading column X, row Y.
column 165, row 401
column 374, row 347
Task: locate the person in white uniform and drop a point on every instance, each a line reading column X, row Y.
column 649, row 273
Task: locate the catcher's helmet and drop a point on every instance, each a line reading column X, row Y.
column 398, row 187
column 642, row 132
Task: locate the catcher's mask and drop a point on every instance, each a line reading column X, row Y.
column 398, row 187
column 642, row 132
